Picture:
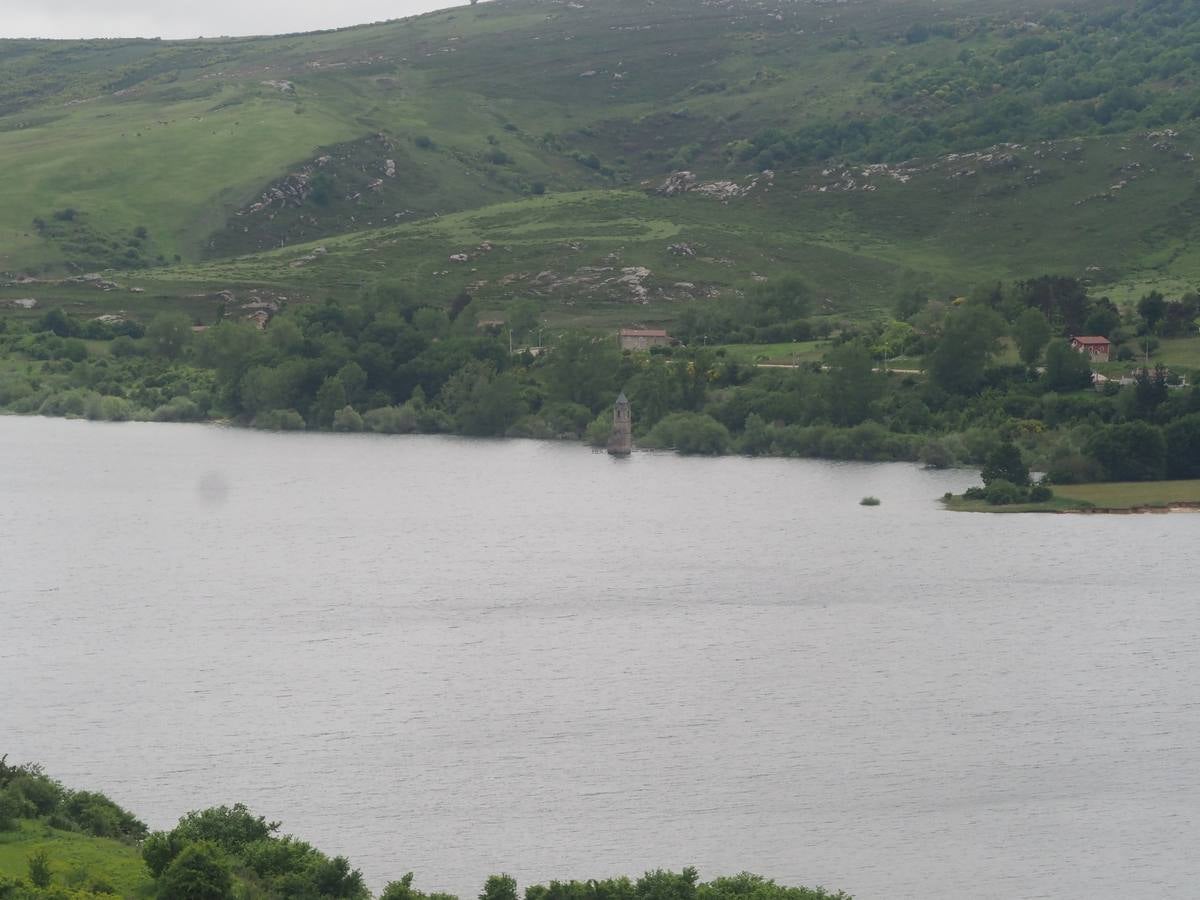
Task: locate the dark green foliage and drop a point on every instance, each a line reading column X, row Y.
column 969, row 341
column 854, row 385
column 95, row 814
column 1040, row 493
column 747, row 886
column 403, row 890
column 1004, row 463
column 1149, row 391
column 499, row 887
column 780, row 301
column 1062, row 300
column 582, row 369
column 26, row 792
column 1152, row 307
column 1133, row 451
column 1183, row 447
column 39, row 868
column 1031, row 331
column 690, row 433
column 58, row 322
column 230, row 828
column 168, row 334
column 199, row 872
column 232, row 836
column 1066, row 368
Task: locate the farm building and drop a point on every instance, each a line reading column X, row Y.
column 1098, row 348
column 642, row 338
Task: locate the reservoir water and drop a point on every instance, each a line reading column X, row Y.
column 464, row 657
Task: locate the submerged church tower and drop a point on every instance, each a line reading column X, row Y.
column 620, row 442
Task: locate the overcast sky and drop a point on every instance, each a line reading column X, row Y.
column 193, row 18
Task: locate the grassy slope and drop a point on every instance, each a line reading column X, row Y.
column 76, row 859
column 179, row 136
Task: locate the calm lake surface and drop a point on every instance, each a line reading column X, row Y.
column 461, row 657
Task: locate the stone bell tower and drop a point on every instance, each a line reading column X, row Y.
column 620, row 442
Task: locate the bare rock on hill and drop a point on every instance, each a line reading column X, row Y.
column 687, row 182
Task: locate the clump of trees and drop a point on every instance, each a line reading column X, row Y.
column 26, row 792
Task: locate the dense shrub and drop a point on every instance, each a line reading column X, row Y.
column 690, row 433
column 279, row 420
column 347, row 419
column 391, row 419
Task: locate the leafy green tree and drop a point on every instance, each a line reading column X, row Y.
column 401, row 889
column 1183, row 447
column 523, row 319
column 583, row 369
column 1133, row 451
column 97, row 815
column 265, row 388
column 1066, row 368
column 334, row 878
column 199, row 872
column 652, row 392
column 347, row 419
column 40, row 871
column 663, row 885
column 499, row 887
column 492, row 406
column 354, row 381
column 779, row 301
column 1152, row 307
column 969, row 341
column 1004, row 463
column 690, row 433
column 1031, row 332
column 853, row 386
column 168, row 334
column 57, row 322
column 1149, row 391
column 1063, row 300
column 159, row 849
column 228, row 827
column 1104, row 318
column 331, row 397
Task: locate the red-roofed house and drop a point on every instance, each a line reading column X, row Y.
column 642, row 338
column 1098, row 348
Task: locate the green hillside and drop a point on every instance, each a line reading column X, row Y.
column 79, row 861
column 904, row 146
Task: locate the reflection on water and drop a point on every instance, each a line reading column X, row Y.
column 461, row 657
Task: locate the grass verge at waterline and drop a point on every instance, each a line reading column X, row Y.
column 1112, row 497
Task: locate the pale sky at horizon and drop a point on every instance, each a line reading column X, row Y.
column 213, row 18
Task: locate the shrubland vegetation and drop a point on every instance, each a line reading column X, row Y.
column 60, row 844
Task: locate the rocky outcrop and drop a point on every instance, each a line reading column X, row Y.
column 689, row 182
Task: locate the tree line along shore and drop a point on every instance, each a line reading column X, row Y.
column 58, row 843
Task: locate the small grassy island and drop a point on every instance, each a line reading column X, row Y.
column 62, row 844
column 1103, row 497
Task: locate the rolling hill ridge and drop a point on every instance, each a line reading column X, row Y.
column 613, row 161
